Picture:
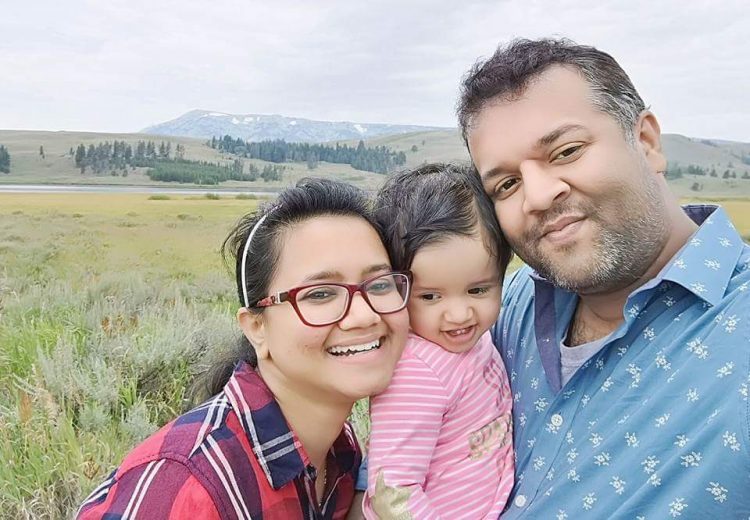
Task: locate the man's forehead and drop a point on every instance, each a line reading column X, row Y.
column 560, row 99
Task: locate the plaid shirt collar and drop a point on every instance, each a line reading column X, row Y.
column 277, row 448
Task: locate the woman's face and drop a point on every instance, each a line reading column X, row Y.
column 323, row 249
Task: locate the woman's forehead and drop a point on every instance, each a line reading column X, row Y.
column 332, row 247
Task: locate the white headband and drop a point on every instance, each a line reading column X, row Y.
column 244, row 257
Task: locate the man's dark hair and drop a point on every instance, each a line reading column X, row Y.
column 506, row 75
column 419, row 207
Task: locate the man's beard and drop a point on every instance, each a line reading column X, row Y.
column 629, row 233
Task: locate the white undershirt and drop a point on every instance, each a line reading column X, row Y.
column 571, row 358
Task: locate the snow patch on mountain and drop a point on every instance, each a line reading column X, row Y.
column 256, row 127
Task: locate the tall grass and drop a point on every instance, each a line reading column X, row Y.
column 101, row 338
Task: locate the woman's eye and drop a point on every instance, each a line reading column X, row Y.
column 319, row 294
column 380, row 287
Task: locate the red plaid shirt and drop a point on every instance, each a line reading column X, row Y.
column 233, row 457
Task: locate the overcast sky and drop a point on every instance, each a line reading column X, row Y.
column 119, row 66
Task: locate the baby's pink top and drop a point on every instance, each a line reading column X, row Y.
column 441, row 444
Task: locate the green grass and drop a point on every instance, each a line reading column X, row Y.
column 109, row 307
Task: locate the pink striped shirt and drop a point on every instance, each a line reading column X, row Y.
column 441, row 441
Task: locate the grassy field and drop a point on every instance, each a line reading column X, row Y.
column 109, row 307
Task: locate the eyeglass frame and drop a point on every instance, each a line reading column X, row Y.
column 290, row 295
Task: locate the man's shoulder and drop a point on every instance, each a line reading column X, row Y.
column 517, row 284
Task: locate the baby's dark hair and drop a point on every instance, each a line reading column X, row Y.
column 423, row 206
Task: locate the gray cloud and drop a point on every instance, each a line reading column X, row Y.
column 120, row 66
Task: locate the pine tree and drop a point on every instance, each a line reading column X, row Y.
column 179, row 153
column 4, row 159
column 80, row 156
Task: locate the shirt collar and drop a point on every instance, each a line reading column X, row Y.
column 705, row 264
column 277, row 448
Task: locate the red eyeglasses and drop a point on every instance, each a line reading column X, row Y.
column 323, row 304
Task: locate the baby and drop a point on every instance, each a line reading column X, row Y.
column 441, row 438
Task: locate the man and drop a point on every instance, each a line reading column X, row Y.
column 627, row 339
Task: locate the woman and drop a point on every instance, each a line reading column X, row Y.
column 324, row 317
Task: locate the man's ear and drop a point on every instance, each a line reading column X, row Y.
column 648, row 135
column 254, row 329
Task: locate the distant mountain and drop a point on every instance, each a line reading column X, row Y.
column 257, row 127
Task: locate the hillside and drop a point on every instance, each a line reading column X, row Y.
column 58, row 167
column 680, row 151
column 446, row 145
column 260, row 127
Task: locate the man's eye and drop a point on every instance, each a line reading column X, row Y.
column 568, row 152
column 506, row 185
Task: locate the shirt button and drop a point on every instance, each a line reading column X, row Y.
column 520, row 501
column 557, row 420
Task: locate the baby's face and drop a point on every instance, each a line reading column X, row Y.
column 456, row 292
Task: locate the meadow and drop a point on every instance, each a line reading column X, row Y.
column 111, row 306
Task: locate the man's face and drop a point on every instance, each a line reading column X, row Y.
column 577, row 202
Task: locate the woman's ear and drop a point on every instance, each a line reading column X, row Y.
column 254, row 329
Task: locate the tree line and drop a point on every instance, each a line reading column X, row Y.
column 378, row 159
column 675, row 171
column 118, row 156
column 4, row 160
column 211, row 174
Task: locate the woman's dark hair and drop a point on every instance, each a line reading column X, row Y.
column 308, row 199
column 419, row 207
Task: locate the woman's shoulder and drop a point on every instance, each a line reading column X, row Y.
column 181, row 439
column 157, row 488
column 179, row 460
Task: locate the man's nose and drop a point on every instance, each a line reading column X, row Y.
column 541, row 187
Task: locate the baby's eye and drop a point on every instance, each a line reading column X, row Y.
column 429, row 297
column 479, row 290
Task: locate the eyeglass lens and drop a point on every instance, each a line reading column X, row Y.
column 327, row 303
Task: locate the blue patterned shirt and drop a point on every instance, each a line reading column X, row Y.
column 657, row 423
